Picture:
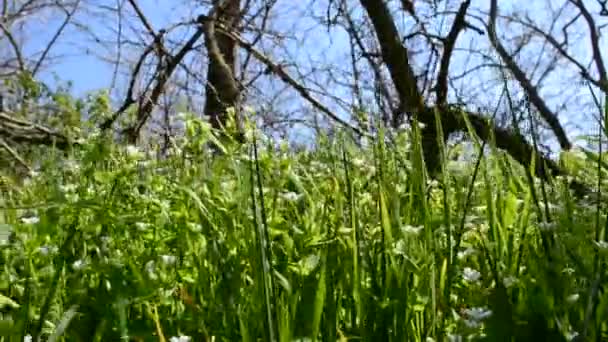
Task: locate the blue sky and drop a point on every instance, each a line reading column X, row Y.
column 83, row 69
column 88, row 73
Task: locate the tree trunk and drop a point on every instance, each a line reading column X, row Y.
column 222, row 91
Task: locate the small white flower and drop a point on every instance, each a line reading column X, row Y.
column 603, row 245
column 141, row 226
column 67, row 188
column 509, row 281
column 470, row 275
column 358, row 162
column 432, row 183
column 168, row 259
column 568, row 270
column 475, row 316
column 399, row 248
column 573, row 298
column 195, row 227
column 180, row 339
column 227, row 186
column 78, row 265
column 133, row 152
column 571, row 335
column 421, row 125
column 467, row 252
column 150, row 268
column 71, row 165
column 291, row 196
column 480, row 208
column 478, row 314
column 27, row 338
column 30, row 220
column 430, row 339
column 411, row 230
column 46, row 250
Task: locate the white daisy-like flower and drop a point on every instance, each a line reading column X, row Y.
column 78, row 265
column 142, row 226
column 291, row 196
column 30, row 220
column 509, row 281
column 67, row 188
column 466, row 253
column 478, row 314
column 603, row 245
column 134, row 152
column 470, row 275
column 573, row 298
column 412, row 230
column 168, row 259
column 46, row 250
column 571, row 335
column 150, row 268
column 475, row 316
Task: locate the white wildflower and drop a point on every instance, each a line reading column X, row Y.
column 466, row 253
column 573, row 298
column 509, row 281
column 358, row 162
column 5, row 233
column 478, row 314
column 150, row 268
column 30, row 220
column 194, row 227
column 411, row 230
column 141, row 226
column 227, row 186
column 470, row 275
column 480, row 208
column 475, row 316
column 133, row 152
column 568, row 270
column 421, row 125
column 27, row 338
column 399, row 248
column 71, row 165
column 180, row 339
column 432, row 183
column 168, row 259
column 571, row 335
column 603, row 245
column 46, row 250
column 78, row 265
column 290, row 196
column 67, row 188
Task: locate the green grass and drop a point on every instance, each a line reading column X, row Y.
column 339, row 243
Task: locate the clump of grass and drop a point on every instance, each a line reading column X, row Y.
column 341, row 242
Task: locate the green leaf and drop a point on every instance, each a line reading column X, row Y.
column 6, row 302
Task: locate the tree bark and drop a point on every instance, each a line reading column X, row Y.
column 222, row 91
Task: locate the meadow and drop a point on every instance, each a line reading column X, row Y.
column 345, row 241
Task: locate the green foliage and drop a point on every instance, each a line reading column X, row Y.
column 338, row 243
